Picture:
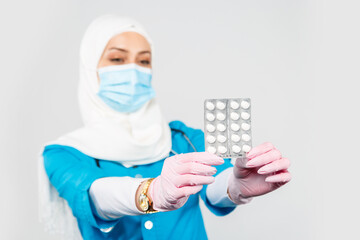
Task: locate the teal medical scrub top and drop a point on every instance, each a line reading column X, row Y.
column 72, row 173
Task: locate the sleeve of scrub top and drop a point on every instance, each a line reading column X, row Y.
column 71, row 174
column 196, row 137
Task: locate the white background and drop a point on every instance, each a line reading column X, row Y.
column 297, row 60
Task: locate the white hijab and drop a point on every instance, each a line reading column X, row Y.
column 136, row 138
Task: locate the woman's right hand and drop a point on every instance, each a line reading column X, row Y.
column 181, row 176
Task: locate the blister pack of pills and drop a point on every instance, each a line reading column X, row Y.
column 228, row 126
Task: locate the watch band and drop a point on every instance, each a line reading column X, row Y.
column 144, row 201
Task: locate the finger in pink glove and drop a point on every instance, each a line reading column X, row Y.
column 262, row 171
column 181, row 176
column 269, row 161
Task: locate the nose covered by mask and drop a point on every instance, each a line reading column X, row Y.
column 125, row 88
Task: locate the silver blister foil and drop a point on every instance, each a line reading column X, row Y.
column 227, row 126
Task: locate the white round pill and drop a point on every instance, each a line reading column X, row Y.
column 211, row 149
column 210, row 106
column 246, row 148
column 220, row 116
column 220, row 105
column 221, row 138
column 221, row 127
column 210, row 128
column 222, row 149
column 210, row 139
column 235, row 138
column 234, row 105
column 236, row 149
column 245, row 137
column 210, row 117
column 234, row 116
column 245, row 126
column 235, row 127
column 245, row 115
column 245, row 104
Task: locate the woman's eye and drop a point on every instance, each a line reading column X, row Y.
column 116, row 59
column 145, row 62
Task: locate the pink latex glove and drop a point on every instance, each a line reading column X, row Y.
column 263, row 171
column 181, row 176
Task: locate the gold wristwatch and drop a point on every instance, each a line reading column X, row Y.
column 144, row 201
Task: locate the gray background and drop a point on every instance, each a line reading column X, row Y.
column 297, row 60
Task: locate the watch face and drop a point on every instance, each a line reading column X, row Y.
column 144, row 202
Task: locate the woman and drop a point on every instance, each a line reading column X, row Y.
column 127, row 174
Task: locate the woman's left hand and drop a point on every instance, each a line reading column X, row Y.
column 262, row 171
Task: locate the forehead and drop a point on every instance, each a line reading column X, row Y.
column 129, row 40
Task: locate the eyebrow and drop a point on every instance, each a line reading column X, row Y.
column 124, row 50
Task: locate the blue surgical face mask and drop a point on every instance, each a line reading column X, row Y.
column 125, row 88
